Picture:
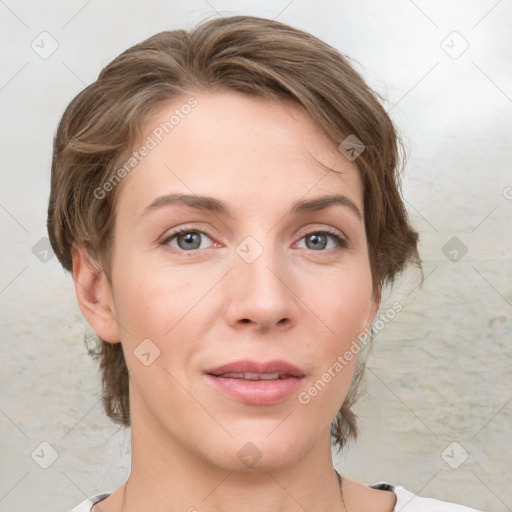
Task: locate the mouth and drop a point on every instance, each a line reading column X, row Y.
column 254, row 376
column 255, row 383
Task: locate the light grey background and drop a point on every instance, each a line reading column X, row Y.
column 440, row 372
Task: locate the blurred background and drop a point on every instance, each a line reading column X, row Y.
column 436, row 416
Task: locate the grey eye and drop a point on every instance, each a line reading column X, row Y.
column 320, row 241
column 316, row 241
column 188, row 240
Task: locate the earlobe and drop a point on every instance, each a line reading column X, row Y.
column 94, row 295
column 373, row 310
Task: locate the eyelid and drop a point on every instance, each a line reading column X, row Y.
column 325, row 229
column 170, row 235
column 340, row 238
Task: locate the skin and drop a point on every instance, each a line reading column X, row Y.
column 208, row 306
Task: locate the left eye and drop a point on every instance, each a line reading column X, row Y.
column 320, row 240
column 187, row 240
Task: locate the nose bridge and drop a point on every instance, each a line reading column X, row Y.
column 257, row 265
column 260, row 292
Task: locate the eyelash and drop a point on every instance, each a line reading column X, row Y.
column 341, row 241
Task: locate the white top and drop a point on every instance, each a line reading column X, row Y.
column 406, row 501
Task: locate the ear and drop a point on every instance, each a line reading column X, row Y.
column 94, row 295
column 374, row 308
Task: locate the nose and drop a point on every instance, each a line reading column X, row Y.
column 260, row 292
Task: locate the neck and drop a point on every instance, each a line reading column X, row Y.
column 168, row 476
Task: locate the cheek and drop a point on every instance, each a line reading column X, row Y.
column 342, row 301
column 166, row 305
column 342, row 307
column 145, row 290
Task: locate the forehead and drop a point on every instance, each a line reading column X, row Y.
column 248, row 151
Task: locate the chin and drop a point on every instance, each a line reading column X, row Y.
column 260, row 452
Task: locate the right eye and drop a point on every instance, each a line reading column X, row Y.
column 187, row 240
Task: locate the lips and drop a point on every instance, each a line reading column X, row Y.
column 253, row 376
column 251, row 370
column 254, row 383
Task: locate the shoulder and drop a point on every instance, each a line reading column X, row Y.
column 86, row 505
column 407, row 501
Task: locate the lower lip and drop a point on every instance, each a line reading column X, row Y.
column 256, row 392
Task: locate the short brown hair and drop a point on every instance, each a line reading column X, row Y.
column 255, row 56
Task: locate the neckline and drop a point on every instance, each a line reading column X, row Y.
column 381, row 486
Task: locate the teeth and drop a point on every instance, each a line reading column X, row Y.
column 251, row 376
column 261, row 376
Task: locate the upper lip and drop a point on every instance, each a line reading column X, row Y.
column 246, row 366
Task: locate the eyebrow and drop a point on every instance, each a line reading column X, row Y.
column 211, row 204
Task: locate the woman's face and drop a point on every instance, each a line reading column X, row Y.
column 261, row 265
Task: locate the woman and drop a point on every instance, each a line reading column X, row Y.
column 227, row 200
